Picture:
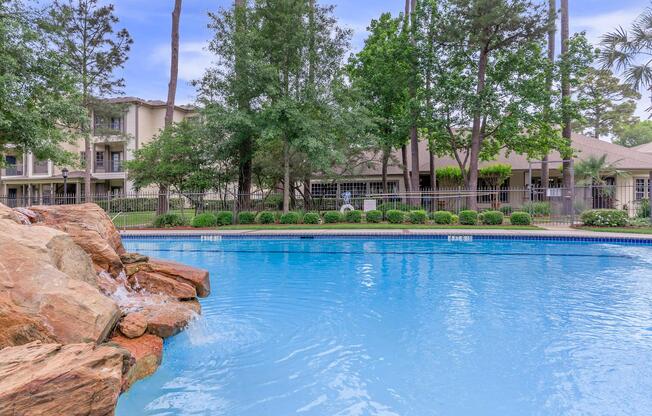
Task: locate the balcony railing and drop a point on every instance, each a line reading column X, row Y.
column 40, row 168
column 14, row 170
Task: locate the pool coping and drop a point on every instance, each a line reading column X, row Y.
column 575, row 235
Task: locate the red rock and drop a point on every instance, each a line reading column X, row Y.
column 91, row 228
column 16, row 328
column 171, row 318
column 7, row 213
column 133, row 325
column 159, row 283
column 51, row 379
column 147, row 352
column 31, row 216
column 197, row 277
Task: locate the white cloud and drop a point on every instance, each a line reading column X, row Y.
column 597, row 25
column 194, row 58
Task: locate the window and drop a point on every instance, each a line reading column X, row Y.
column 640, row 189
column 377, row 187
column 324, row 190
column 108, row 124
column 357, row 189
column 99, row 159
column 485, row 196
column 14, row 166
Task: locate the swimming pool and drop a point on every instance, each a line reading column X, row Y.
column 383, row 326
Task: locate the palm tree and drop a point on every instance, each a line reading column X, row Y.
column 593, row 171
column 629, row 52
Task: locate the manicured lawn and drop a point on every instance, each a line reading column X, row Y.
column 376, row 227
column 144, row 218
column 629, row 230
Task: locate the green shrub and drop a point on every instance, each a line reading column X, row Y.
column 643, row 210
column 605, row 218
column 395, row 216
column 311, row 218
column 418, row 217
column 354, row 216
column 520, row 218
column 205, row 220
column 442, row 217
column 493, row 218
column 639, row 222
column 224, row 218
column 170, row 219
column 135, row 204
column 537, row 209
column 374, row 216
column 274, row 202
column 290, row 218
column 506, row 210
column 468, row 217
column 265, row 217
column 332, row 217
column 399, row 206
column 455, row 219
column 246, row 217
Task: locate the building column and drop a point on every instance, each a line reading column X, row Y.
column 77, row 193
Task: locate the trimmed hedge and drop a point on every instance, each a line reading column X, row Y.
column 468, row 217
column 290, row 218
column 605, row 218
column 442, row 217
column 311, row 218
column 265, row 217
column 492, row 218
column 395, row 216
column 169, row 220
column 537, row 209
column 418, row 217
column 520, row 218
column 224, row 218
column 397, row 206
column 353, row 217
column 456, row 219
column 332, row 217
column 205, row 220
column 246, row 217
column 374, row 216
column 506, row 209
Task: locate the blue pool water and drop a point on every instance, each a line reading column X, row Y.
column 408, row 327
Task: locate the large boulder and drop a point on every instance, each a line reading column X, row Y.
column 171, row 318
column 16, row 328
column 91, row 228
column 198, row 278
column 7, row 213
column 147, row 352
column 160, row 283
column 51, row 379
column 48, row 278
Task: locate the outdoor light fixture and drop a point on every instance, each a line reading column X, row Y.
column 64, row 173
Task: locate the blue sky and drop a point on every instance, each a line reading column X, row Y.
column 148, row 21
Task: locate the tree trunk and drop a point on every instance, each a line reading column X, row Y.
column 88, row 163
column 163, row 203
column 385, row 162
column 406, row 173
column 414, row 135
column 552, row 14
column 476, row 136
column 433, row 172
column 566, row 96
column 286, row 177
column 246, row 147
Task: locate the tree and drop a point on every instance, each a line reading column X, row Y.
column 635, row 134
column 593, row 171
column 495, row 176
column 163, row 205
column 608, row 104
column 38, row 96
column 381, row 74
column 488, row 72
column 552, row 31
column 84, row 32
column 567, row 128
column 629, row 52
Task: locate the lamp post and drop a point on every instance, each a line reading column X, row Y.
column 64, row 173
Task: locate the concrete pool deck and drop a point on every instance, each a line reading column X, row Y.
column 551, row 232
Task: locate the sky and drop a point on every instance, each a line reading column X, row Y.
column 147, row 70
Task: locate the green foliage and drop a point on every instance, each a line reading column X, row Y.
column 442, row 217
column 639, row 222
column 374, row 216
column 643, row 209
column 455, row 219
column 605, row 218
column 593, row 170
column 537, row 209
column 265, row 217
column 290, row 218
column 224, row 218
column 246, row 217
column 496, row 175
column 170, row 220
column 635, row 135
column 135, row 204
column 204, row 220
column 332, row 217
column 386, row 206
column 506, row 209
column 353, row 216
column 311, row 218
column 395, row 216
column 520, row 218
column 468, row 217
column 449, row 176
column 418, row 217
column 492, row 218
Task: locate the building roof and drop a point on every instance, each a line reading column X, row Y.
column 645, row 148
column 148, row 103
column 621, row 157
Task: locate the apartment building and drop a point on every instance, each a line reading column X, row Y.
column 115, row 139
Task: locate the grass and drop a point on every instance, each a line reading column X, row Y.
column 628, row 230
column 376, row 227
column 144, row 218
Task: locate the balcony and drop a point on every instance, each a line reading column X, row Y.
column 14, row 170
column 40, row 167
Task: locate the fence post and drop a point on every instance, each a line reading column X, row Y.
column 572, row 191
column 649, row 194
column 236, row 199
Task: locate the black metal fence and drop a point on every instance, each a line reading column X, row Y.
column 547, row 206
